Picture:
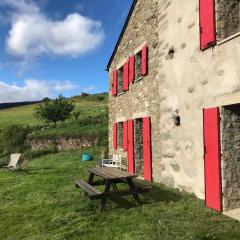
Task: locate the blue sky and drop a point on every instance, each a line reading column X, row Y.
column 48, row 47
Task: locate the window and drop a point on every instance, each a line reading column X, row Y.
column 138, row 65
column 135, row 68
column 120, row 135
column 227, row 18
column 138, row 146
column 219, row 20
column 120, row 80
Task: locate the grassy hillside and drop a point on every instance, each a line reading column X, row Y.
column 18, row 115
column 90, row 106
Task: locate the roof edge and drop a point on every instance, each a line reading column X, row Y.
column 121, row 34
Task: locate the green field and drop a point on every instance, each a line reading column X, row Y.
column 44, row 204
column 89, row 106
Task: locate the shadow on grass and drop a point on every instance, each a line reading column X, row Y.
column 155, row 194
column 162, row 194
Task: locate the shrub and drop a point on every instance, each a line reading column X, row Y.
column 4, row 159
column 84, row 94
column 52, row 148
column 100, row 98
column 76, row 113
column 31, row 154
column 12, row 139
column 54, row 111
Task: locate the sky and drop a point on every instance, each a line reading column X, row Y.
column 52, row 47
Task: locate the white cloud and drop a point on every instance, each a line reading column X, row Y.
column 32, row 90
column 21, row 6
column 33, row 33
column 80, row 6
column 89, row 89
column 64, row 86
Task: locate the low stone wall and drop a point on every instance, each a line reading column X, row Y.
column 62, row 144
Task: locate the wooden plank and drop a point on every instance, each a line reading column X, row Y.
column 111, row 173
column 118, row 173
column 92, row 191
column 96, row 172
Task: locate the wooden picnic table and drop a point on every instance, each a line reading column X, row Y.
column 110, row 177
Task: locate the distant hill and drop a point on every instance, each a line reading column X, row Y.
column 16, row 104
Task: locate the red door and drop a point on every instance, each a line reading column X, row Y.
column 212, row 160
column 147, row 149
column 131, row 165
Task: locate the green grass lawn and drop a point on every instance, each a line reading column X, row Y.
column 44, row 204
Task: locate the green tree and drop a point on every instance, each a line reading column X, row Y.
column 76, row 113
column 55, row 110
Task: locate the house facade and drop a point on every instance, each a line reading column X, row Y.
column 174, row 96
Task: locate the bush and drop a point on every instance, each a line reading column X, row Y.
column 100, row 98
column 12, row 139
column 55, row 111
column 4, row 159
column 30, row 154
column 76, row 113
column 84, row 94
column 52, row 148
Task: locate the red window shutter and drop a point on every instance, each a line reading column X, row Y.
column 144, row 60
column 125, row 136
column 147, row 149
column 207, row 24
column 115, row 82
column 131, row 68
column 115, row 136
column 126, row 76
column 212, row 160
column 131, row 165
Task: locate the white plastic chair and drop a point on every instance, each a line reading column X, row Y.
column 115, row 162
column 14, row 159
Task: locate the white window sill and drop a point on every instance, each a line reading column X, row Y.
column 229, row 38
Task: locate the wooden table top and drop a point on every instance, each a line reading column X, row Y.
column 111, row 173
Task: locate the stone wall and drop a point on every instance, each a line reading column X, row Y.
column 180, row 76
column 230, row 135
column 63, row 144
column 227, row 18
column 138, row 147
column 138, row 102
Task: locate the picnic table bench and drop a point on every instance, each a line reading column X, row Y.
column 110, row 177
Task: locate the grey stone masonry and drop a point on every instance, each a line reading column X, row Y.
column 230, row 134
column 143, row 97
column 227, row 18
column 138, row 147
column 180, row 77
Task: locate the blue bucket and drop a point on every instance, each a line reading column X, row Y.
column 87, row 157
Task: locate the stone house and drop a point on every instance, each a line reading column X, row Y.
column 174, row 96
